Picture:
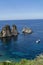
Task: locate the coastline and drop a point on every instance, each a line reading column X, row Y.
column 37, row 61
column 37, row 48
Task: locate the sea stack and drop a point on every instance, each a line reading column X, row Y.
column 14, row 30
column 26, row 30
column 6, row 31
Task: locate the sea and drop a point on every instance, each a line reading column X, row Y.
column 22, row 46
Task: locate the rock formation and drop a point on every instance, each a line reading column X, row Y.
column 8, row 32
column 14, row 30
column 26, row 30
column 4, row 32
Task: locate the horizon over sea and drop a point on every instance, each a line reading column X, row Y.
column 22, row 46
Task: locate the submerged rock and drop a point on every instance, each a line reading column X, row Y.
column 26, row 30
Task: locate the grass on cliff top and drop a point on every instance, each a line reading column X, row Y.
column 36, row 61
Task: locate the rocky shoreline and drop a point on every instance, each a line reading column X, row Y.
column 37, row 61
column 7, row 31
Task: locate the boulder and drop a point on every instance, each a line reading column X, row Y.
column 26, row 30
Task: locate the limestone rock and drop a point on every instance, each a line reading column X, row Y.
column 6, row 31
column 14, row 30
column 26, row 30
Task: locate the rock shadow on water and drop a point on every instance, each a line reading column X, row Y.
column 8, row 40
column 15, row 38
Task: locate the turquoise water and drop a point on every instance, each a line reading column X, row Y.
column 22, row 46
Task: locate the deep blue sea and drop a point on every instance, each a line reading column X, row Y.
column 22, row 46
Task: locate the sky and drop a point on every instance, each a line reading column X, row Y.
column 21, row 9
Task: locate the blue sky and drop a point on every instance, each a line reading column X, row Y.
column 21, row 9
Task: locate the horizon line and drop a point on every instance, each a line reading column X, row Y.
column 20, row 19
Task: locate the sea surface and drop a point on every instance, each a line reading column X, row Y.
column 22, row 46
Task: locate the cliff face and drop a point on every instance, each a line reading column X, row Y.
column 7, row 31
column 4, row 32
column 14, row 30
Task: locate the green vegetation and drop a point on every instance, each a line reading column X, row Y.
column 36, row 61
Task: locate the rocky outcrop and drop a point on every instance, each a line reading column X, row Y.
column 26, row 30
column 8, row 32
column 14, row 30
column 4, row 32
column 0, row 34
